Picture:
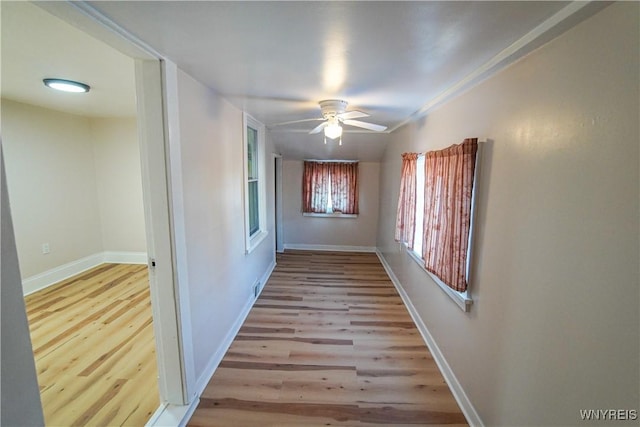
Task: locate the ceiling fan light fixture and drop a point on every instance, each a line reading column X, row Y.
column 66, row 85
column 333, row 130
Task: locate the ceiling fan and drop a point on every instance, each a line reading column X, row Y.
column 334, row 115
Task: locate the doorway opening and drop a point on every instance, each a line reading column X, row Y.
column 88, row 189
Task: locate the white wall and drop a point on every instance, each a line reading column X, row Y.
column 207, row 190
column 119, row 184
column 554, row 325
column 305, row 230
column 74, row 182
column 52, row 185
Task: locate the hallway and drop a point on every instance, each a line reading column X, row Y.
column 328, row 342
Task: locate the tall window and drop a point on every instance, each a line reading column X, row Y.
column 330, row 187
column 448, row 190
column 254, row 183
column 406, row 213
column 444, row 189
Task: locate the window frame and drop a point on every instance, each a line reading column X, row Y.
column 330, row 215
column 253, row 240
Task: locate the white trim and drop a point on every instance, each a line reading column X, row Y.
column 152, row 421
column 47, row 278
column 121, row 257
column 462, row 300
column 168, row 415
column 331, row 161
column 461, row 397
column 174, row 310
column 85, row 17
column 330, row 215
column 337, row 248
column 57, row 274
column 253, row 241
column 503, row 59
column 265, row 277
column 215, row 360
column 231, row 334
column 278, row 204
column 156, row 91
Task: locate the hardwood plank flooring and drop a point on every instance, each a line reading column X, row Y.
column 328, row 342
column 94, row 348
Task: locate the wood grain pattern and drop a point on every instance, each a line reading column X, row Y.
column 328, row 342
column 94, row 348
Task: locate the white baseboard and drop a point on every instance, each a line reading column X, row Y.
column 265, row 277
column 112, row 257
column 47, row 278
column 337, row 248
column 231, row 334
column 461, row 397
column 215, row 360
column 40, row 281
column 168, row 415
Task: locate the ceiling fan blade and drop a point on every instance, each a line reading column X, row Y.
column 297, row 121
column 319, row 128
column 352, row 115
column 365, row 125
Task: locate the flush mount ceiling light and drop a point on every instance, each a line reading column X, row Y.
column 66, row 85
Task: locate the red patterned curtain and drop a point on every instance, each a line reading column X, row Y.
column 315, row 187
column 406, row 212
column 344, row 187
column 447, row 211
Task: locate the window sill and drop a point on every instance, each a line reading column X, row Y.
column 461, row 299
column 255, row 241
column 330, row 215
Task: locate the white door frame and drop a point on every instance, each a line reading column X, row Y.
column 158, row 222
column 277, row 174
column 152, row 86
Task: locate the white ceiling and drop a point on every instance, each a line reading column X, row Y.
column 36, row 45
column 276, row 60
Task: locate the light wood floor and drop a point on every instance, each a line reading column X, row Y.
column 94, row 348
column 329, row 342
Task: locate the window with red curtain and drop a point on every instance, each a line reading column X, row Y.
column 330, row 187
column 344, row 187
column 315, row 187
column 406, row 212
column 448, row 189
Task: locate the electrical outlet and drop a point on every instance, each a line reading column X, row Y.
column 45, row 248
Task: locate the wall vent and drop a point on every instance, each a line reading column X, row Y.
column 256, row 289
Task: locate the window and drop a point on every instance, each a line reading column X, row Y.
column 330, row 188
column 435, row 216
column 254, row 183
